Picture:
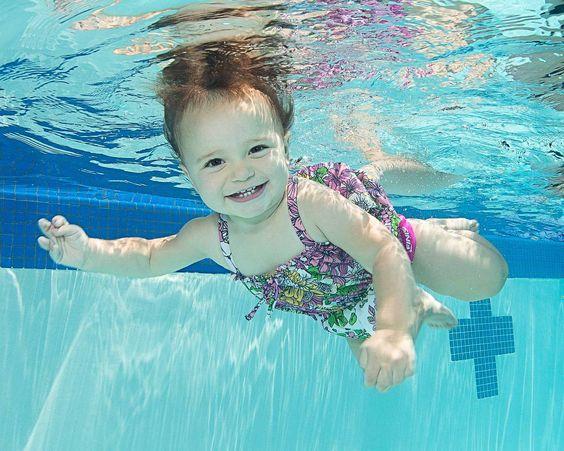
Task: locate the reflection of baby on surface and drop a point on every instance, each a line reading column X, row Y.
column 196, row 23
column 199, row 23
column 436, row 30
column 445, row 31
column 99, row 20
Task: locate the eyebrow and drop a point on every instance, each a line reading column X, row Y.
column 209, row 154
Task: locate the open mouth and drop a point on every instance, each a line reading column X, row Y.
column 243, row 196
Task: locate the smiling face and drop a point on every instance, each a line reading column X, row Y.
column 232, row 145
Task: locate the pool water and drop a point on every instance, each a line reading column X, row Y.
column 92, row 361
column 97, row 362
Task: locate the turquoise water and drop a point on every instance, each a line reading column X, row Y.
column 95, row 362
column 468, row 88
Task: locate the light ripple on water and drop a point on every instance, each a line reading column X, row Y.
column 447, row 84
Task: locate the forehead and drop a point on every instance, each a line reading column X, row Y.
column 253, row 111
column 226, row 123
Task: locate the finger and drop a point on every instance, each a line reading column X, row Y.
column 42, row 222
column 64, row 230
column 52, row 230
column 384, row 380
column 56, row 253
column 45, row 227
column 363, row 358
column 370, row 377
column 398, row 375
column 59, row 221
column 410, row 369
column 44, row 243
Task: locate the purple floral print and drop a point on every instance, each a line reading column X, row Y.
column 324, row 282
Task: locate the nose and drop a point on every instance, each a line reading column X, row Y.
column 243, row 172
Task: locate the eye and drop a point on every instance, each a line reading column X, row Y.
column 217, row 161
column 259, row 148
column 210, row 165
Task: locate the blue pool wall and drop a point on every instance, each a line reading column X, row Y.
column 110, row 214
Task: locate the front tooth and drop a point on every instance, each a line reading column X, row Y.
column 247, row 191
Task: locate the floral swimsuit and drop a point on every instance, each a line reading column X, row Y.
column 323, row 281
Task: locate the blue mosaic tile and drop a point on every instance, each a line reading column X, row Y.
column 481, row 338
column 102, row 213
column 110, row 214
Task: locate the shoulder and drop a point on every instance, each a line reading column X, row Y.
column 209, row 233
column 342, row 222
column 202, row 232
column 312, row 196
column 317, row 200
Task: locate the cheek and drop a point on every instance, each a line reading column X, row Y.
column 276, row 159
column 209, row 186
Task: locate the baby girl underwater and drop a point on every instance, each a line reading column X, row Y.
column 321, row 240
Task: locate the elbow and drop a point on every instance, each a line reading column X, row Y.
column 157, row 259
column 150, row 261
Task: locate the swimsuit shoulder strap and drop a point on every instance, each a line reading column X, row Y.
column 304, row 237
column 223, row 235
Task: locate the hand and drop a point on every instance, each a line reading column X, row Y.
column 67, row 243
column 387, row 357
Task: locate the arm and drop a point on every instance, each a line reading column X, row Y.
column 388, row 356
column 371, row 244
column 69, row 245
column 139, row 257
column 408, row 177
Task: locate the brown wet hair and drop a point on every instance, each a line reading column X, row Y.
column 224, row 70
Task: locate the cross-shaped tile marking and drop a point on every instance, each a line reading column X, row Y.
column 481, row 337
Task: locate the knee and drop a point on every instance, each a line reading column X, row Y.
column 501, row 275
column 491, row 281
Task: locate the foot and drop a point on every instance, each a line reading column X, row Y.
column 436, row 314
column 433, row 313
column 456, row 223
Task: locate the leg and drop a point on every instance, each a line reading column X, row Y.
column 464, row 227
column 479, row 239
column 359, row 130
column 397, row 174
column 408, row 177
column 455, row 223
column 457, row 263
